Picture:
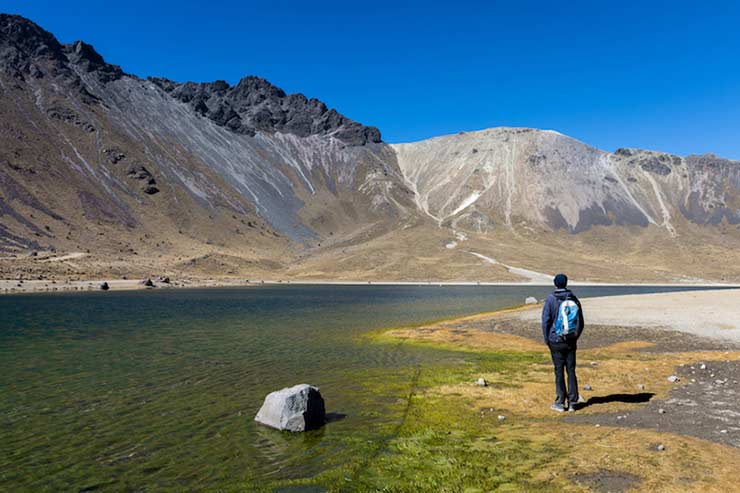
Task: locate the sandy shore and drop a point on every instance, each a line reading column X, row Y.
column 710, row 313
column 46, row 286
column 10, row 286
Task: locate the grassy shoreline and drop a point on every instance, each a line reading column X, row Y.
column 457, row 436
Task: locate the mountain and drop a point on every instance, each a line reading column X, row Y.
column 103, row 173
column 545, row 180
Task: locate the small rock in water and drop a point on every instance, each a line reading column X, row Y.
column 297, row 408
column 660, row 447
column 530, row 300
column 481, row 382
column 702, row 366
column 587, row 387
column 673, row 379
column 501, row 417
column 104, row 286
column 148, row 283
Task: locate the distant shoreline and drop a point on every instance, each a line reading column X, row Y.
column 8, row 286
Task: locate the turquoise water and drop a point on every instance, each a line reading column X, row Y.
column 157, row 390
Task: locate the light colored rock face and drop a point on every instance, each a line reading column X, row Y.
column 543, row 179
column 297, row 408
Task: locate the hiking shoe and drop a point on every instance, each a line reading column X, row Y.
column 558, row 407
column 571, row 408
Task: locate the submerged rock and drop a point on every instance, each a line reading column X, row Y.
column 297, row 408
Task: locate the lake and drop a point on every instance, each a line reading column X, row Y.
column 157, row 390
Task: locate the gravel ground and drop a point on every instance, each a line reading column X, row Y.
column 707, row 406
column 605, row 481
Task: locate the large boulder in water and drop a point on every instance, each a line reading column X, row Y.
column 297, row 408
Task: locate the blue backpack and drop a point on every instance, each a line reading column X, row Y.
column 567, row 321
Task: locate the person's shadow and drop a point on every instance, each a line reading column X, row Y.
column 637, row 398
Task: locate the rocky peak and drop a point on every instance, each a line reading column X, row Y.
column 84, row 55
column 254, row 104
column 27, row 37
column 27, row 49
column 24, row 46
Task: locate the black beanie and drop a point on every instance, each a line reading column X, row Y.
column 561, row 280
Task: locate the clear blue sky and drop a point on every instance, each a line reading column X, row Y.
column 658, row 75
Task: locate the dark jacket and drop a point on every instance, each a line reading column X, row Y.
column 550, row 315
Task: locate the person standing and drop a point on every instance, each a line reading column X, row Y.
column 562, row 325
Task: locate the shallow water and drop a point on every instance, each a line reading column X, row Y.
column 157, row 390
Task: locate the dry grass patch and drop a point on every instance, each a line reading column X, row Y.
column 612, row 371
column 623, row 377
column 686, row 465
column 531, row 391
column 465, row 339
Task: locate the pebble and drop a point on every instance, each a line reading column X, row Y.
column 702, row 366
column 661, row 447
column 594, row 363
column 598, row 425
column 723, row 431
column 641, row 386
column 587, row 387
column 661, row 411
column 501, row 417
column 481, row 382
column 673, row 379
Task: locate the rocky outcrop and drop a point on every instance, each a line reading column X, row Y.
column 26, row 49
column 141, row 174
column 85, row 56
column 255, row 105
column 297, row 408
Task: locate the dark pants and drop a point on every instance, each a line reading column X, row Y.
column 564, row 358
